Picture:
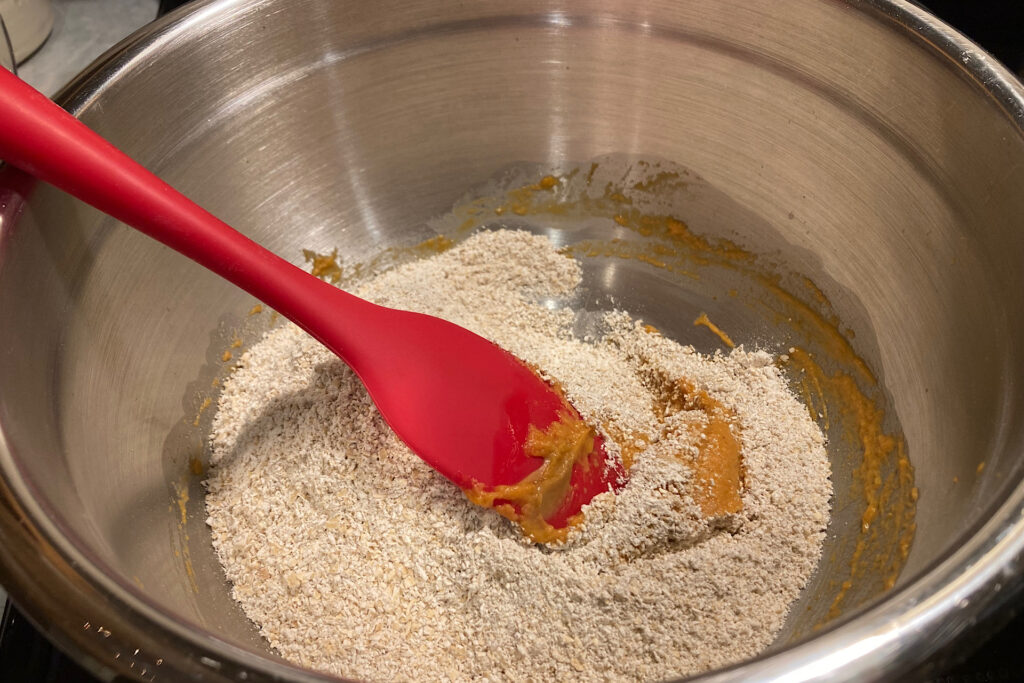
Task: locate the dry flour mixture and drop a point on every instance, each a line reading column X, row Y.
column 355, row 558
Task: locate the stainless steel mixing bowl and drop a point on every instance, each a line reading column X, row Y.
column 863, row 143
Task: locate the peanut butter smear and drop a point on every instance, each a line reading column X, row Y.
column 718, row 465
column 565, row 442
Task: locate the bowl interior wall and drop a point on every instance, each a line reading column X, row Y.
column 842, row 148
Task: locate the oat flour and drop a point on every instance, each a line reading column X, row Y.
column 355, row 558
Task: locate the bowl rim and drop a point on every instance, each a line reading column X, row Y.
column 75, row 600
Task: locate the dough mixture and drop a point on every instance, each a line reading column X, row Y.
column 355, row 558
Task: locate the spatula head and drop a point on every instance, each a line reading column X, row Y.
column 466, row 406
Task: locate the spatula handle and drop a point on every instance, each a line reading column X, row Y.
column 42, row 139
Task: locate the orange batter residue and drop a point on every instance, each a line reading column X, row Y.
column 325, row 266
column 718, row 466
column 185, row 553
column 884, row 483
column 199, row 413
column 565, row 442
column 704, row 320
column 631, row 443
column 889, row 498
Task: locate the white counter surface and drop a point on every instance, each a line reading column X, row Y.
column 82, row 31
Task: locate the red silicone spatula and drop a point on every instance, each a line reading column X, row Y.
column 460, row 402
